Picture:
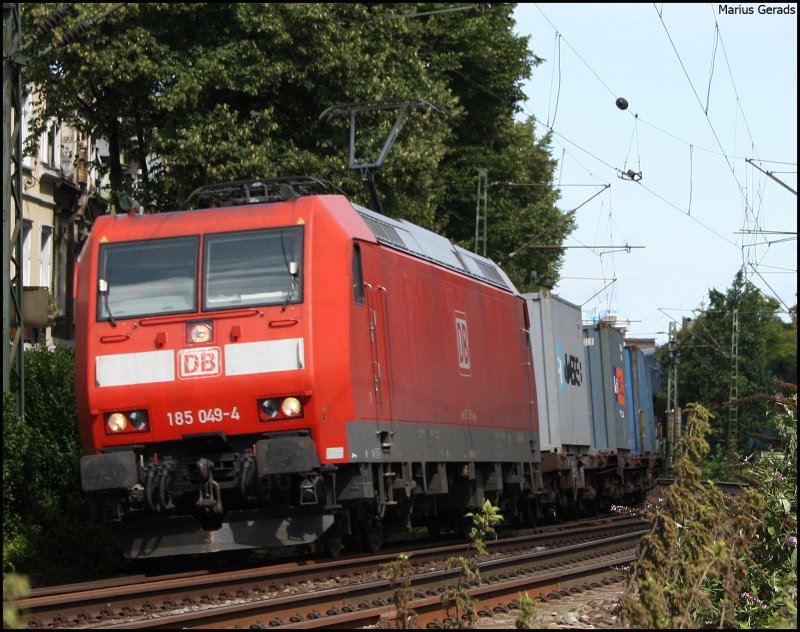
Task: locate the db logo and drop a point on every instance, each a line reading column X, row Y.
column 203, row 362
column 462, row 343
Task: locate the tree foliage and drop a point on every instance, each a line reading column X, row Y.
column 202, row 93
column 767, row 350
column 770, row 598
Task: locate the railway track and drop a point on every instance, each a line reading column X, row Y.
column 348, row 592
column 729, row 488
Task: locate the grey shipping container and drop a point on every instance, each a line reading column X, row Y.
column 605, row 353
column 562, row 380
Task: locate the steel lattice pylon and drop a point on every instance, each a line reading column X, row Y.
column 733, row 415
column 13, row 359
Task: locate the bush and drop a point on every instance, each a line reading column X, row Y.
column 483, row 523
column 769, row 597
column 713, row 561
column 44, row 508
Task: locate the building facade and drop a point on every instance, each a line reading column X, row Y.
column 60, row 198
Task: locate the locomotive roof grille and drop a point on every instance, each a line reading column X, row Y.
column 490, row 272
column 428, row 245
column 259, row 191
column 385, row 232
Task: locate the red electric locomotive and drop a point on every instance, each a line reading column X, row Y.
column 283, row 366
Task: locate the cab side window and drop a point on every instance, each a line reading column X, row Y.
column 358, row 276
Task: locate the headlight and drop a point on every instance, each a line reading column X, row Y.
column 138, row 419
column 270, row 408
column 127, row 422
column 280, row 408
column 291, row 407
column 117, row 422
column 199, row 331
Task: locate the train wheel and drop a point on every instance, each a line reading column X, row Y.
column 370, row 534
column 334, row 542
column 462, row 527
column 531, row 513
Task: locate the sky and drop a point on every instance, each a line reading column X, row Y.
column 708, row 87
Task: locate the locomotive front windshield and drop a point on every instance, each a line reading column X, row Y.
column 159, row 277
column 259, row 267
column 147, row 278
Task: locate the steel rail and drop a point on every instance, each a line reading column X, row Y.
column 83, row 605
column 539, row 572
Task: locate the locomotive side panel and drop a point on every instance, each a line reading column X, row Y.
column 446, row 390
column 338, row 357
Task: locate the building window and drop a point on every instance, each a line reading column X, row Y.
column 46, row 258
column 48, row 154
column 27, row 115
column 27, row 251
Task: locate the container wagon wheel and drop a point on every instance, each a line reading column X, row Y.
column 531, row 512
column 370, row 533
column 434, row 527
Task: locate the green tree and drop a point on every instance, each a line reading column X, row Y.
column 202, row 93
column 767, row 351
column 484, row 65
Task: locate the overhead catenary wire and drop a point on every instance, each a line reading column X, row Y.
column 558, row 91
column 569, row 145
column 751, row 216
column 692, row 146
column 636, row 118
column 694, row 91
column 470, row 7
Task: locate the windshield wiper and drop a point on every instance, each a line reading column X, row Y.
column 103, row 287
column 292, row 266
